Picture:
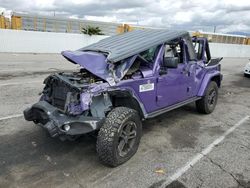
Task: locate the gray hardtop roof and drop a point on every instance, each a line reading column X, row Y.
column 131, row 43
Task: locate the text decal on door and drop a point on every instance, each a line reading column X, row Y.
column 146, row 87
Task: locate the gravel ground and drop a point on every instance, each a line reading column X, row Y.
column 30, row 158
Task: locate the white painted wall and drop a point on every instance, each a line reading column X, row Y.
column 18, row 41
column 44, row 42
column 229, row 50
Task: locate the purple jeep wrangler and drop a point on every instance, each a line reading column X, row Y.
column 123, row 80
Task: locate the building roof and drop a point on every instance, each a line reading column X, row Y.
column 131, row 43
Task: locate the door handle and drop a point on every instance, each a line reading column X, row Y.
column 161, row 78
column 186, row 72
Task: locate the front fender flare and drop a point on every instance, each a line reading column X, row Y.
column 129, row 92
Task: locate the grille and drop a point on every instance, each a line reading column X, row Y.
column 59, row 94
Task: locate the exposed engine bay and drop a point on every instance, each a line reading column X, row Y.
column 79, row 79
column 63, row 90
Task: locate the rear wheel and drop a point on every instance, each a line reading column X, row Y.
column 207, row 103
column 119, row 137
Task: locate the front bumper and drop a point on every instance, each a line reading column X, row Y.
column 54, row 121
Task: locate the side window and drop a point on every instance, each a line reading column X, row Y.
column 174, row 50
column 179, row 52
column 201, row 53
column 198, row 47
column 168, row 51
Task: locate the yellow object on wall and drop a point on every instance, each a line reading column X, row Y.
column 247, row 41
column 7, row 23
column 16, row 22
column 2, row 22
column 196, row 34
column 127, row 28
column 120, row 29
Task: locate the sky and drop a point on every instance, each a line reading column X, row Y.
column 196, row 15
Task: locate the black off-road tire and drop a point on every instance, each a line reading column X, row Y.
column 204, row 105
column 109, row 136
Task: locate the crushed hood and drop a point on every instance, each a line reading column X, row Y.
column 91, row 61
column 97, row 64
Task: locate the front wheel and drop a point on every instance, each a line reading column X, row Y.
column 119, row 137
column 207, row 103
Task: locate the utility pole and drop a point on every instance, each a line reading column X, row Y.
column 214, row 28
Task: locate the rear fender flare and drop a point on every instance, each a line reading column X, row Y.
column 206, row 80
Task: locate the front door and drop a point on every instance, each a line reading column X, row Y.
column 175, row 85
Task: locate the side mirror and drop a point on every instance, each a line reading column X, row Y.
column 171, row 62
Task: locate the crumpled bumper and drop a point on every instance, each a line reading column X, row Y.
column 54, row 121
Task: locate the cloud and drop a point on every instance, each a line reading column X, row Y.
column 226, row 15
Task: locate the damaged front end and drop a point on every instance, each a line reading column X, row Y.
column 77, row 103
column 71, row 104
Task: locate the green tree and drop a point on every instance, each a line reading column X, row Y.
column 89, row 30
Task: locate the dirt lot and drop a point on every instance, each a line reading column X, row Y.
column 180, row 149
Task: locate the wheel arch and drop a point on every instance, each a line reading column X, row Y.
column 216, row 77
column 217, row 80
column 128, row 99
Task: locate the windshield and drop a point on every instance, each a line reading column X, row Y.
column 149, row 54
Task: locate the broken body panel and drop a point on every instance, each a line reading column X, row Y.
column 140, row 81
